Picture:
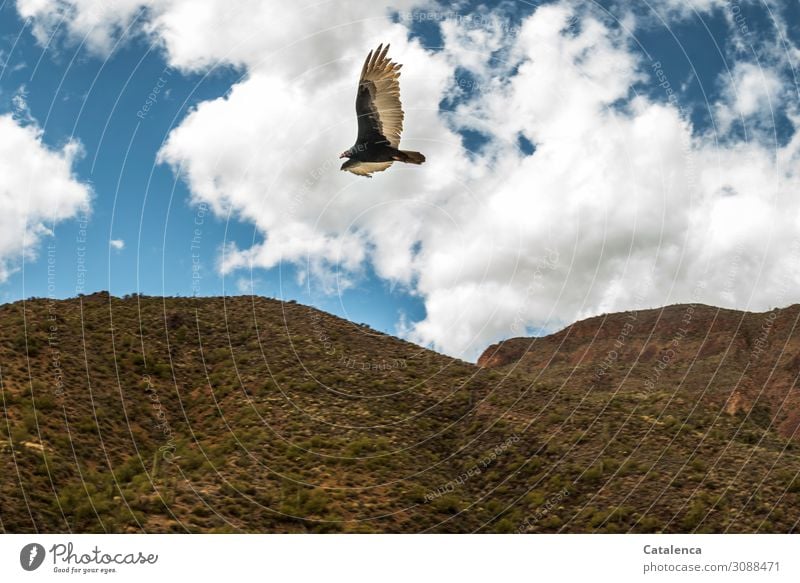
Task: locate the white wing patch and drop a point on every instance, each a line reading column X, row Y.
column 367, row 168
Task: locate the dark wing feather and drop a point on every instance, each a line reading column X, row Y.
column 378, row 106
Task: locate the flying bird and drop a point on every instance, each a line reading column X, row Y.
column 380, row 118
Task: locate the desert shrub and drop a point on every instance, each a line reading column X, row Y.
column 594, row 474
column 32, row 343
column 551, row 522
column 505, row 526
column 449, row 503
column 365, row 445
column 19, row 434
column 695, row 514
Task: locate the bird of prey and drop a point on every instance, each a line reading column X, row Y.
column 380, row 118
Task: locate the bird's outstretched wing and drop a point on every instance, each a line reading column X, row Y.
column 366, row 168
column 378, row 106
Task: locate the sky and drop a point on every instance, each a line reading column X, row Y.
column 582, row 158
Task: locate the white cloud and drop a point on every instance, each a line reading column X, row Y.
column 199, row 35
column 96, row 23
column 753, row 94
column 685, row 8
column 624, row 204
column 37, row 190
column 117, row 244
column 247, row 285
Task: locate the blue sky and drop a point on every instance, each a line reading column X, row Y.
column 90, row 94
column 75, row 94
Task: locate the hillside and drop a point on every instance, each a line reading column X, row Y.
column 248, row 414
column 724, row 360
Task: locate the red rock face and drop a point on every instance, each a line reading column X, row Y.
column 504, row 353
column 741, row 363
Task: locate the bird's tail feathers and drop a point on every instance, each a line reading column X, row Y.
column 410, row 157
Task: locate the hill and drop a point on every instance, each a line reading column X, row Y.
column 724, row 360
column 247, row 414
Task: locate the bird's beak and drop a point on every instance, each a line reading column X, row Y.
column 343, row 155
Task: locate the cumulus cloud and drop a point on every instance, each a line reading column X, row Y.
column 623, row 204
column 117, row 244
column 95, row 23
column 37, row 190
column 753, row 98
